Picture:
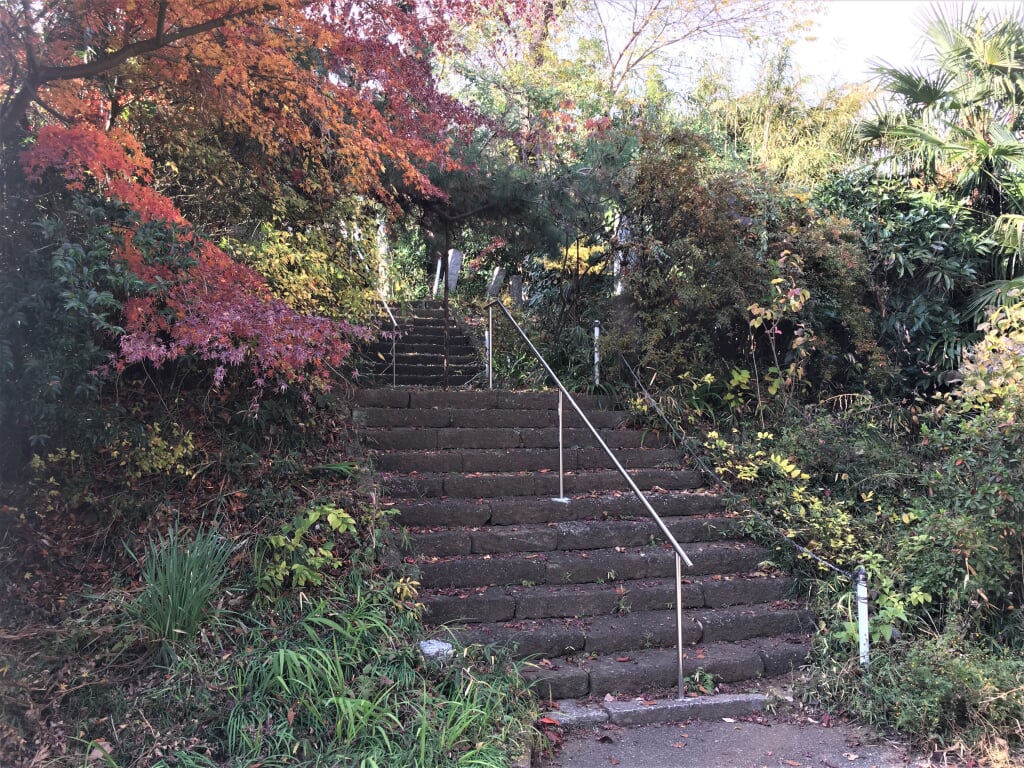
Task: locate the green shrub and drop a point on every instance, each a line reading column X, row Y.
column 970, row 546
column 942, row 690
column 727, row 272
column 180, row 581
column 304, row 549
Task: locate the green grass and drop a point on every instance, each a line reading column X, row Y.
column 181, row 579
column 346, row 685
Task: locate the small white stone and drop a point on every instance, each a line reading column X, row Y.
column 436, row 650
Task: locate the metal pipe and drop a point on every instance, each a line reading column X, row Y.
column 487, row 355
column 863, row 628
column 490, row 348
column 597, row 354
column 394, row 340
column 679, row 624
column 562, row 498
column 597, row 436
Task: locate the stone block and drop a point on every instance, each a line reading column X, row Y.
column 493, row 605
column 494, row 539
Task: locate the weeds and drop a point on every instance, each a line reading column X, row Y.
column 181, row 580
column 345, row 684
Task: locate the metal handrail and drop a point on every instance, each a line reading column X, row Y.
column 394, row 339
column 680, row 556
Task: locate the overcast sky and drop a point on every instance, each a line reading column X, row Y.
column 852, row 33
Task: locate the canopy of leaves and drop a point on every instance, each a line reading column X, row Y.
column 710, row 246
column 341, row 91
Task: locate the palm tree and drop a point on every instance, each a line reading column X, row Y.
column 956, row 128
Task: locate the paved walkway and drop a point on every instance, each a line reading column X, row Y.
column 756, row 742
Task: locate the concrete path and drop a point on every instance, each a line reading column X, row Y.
column 758, row 742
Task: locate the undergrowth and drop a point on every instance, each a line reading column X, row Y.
column 926, row 496
column 240, row 614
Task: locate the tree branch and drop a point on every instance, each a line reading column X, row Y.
column 143, row 47
column 37, row 76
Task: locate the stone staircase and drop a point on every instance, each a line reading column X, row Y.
column 584, row 590
column 419, row 349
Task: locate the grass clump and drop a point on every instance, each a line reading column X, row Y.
column 346, row 684
column 181, row 579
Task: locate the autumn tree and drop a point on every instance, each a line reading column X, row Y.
column 100, row 99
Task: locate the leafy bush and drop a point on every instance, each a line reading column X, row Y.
column 926, row 259
column 181, row 580
column 973, row 514
column 729, row 272
column 304, row 550
column 59, row 315
column 311, row 274
column 944, row 691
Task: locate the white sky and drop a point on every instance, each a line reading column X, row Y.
column 852, row 33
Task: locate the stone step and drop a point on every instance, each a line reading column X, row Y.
column 521, row 510
column 482, row 418
column 418, row 372
column 418, row 322
column 655, row 669
column 601, row 566
column 404, row 347
column 437, row 380
column 567, row 536
column 522, row 459
column 424, row 331
column 424, row 308
column 446, row 438
column 426, row 362
column 490, row 485
column 505, row 604
column 474, row 399
column 422, row 352
column 547, row 638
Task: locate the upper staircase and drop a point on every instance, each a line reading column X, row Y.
column 585, row 590
column 421, row 340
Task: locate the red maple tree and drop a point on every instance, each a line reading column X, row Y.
column 339, row 91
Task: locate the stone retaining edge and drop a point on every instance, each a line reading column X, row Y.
column 572, row 714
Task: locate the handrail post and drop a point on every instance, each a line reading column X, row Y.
column 863, row 627
column 562, row 498
column 394, row 339
column 597, row 354
column 679, row 623
column 490, row 347
column 669, row 537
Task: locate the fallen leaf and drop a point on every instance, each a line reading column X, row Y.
column 851, row 756
column 548, row 721
column 679, row 744
column 623, row 658
column 791, row 762
column 609, row 697
column 728, row 720
column 101, row 751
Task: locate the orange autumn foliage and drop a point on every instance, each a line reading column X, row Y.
column 340, row 92
column 343, row 88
